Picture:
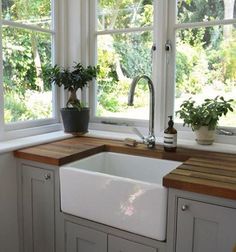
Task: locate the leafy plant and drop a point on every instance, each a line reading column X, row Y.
column 73, row 80
column 206, row 114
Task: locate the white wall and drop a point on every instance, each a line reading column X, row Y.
column 9, row 241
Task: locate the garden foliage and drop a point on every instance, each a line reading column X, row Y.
column 204, row 56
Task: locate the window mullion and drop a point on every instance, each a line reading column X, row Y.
column 93, row 53
column 170, row 60
column 127, row 30
column 159, row 63
column 26, row 26
column 1, row 81
column 84, row 42
column 204, row 24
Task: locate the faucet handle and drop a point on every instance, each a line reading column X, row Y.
column 151, row 141
column 138, row 133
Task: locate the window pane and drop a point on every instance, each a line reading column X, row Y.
column 117, row 14
column 121, row 58
column 205, row 66
column 33, row 12
column 25, row 55
column 204, row 10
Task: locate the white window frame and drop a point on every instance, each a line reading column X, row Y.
column 173, row 26
column 34, row 127
column 164, row 28
column 92, row 59
column 160, row 58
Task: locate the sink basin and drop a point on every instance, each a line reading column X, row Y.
column 119, row 190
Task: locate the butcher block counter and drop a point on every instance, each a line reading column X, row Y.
column 203, row 172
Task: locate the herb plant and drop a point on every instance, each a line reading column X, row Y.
column 73, row 80
column 206, row 114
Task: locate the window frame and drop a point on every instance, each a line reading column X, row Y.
column 163, row 72
column 93, row 59
column 39, row 126
column 173, row 26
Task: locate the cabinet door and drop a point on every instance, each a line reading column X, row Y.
column 116, row 244
column 83, row 239
column 205, row 227
column 38, row 209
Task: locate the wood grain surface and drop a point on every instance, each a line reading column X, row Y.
column 212, row 175
column 204, row 172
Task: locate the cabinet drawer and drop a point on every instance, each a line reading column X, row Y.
column 116, row 244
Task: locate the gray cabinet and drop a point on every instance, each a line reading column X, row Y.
column 44, row 228
column 204, row 227
column 116, row 244
column 84, row 239
column 38, row 211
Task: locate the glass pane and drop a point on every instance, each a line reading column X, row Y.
column 33, row 12
column 121, row 58
column 27, row 95
column 205, row 66
column 118, row 14
column 204, row 10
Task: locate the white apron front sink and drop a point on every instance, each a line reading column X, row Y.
column 118, row 190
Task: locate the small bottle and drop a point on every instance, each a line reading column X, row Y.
column 170, row 137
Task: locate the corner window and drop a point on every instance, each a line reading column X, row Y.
column 27, row 38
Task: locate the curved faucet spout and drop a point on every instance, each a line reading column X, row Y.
column 150, row 140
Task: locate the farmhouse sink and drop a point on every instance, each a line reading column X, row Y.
column 118, row 190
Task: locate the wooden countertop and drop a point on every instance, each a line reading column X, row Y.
column 202, row 171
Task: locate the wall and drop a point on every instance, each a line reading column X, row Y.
column 9, row 241
column 73, row 32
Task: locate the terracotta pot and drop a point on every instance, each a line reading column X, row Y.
column 204, row 135
column 75, row 121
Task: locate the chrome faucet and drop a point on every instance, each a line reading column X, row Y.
column 150, row 140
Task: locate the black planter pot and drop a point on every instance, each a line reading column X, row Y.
column 75, row 121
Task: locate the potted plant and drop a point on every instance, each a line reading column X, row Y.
column 75, row 115
column 203, row 118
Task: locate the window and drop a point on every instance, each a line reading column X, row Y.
column 123, row 42
column 27, row 49
column 200, row 62
column 204, row 35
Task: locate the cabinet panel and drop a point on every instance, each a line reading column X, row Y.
column 203, row 227
column 83, row 239
column 116, row 244
column 38, row 209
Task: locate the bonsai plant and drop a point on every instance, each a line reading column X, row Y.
column 204, row 118
column 75, row 116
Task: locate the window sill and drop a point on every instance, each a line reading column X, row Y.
column 25, row 142
column 188, row 144
column 19, row 143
